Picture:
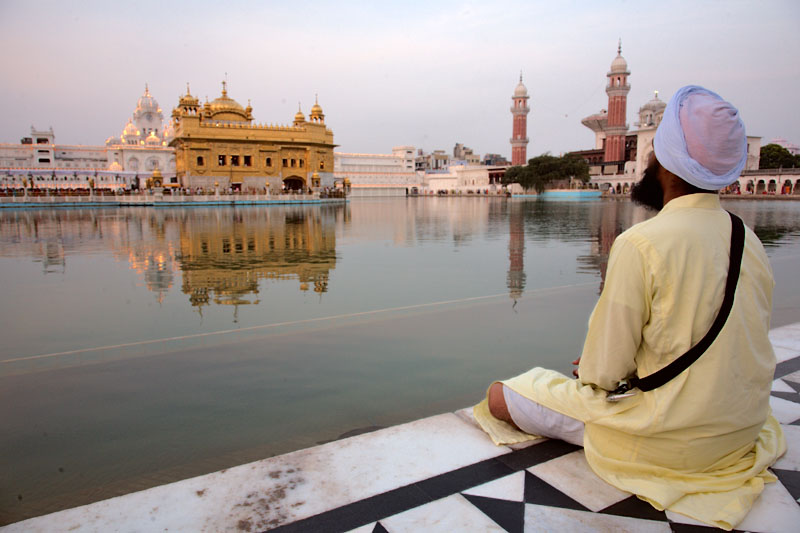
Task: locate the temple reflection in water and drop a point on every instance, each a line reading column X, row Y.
column 221, row 253
column 223, row 258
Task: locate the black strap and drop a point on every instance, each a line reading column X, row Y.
column 683, row 362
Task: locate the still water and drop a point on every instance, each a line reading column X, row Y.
column 142, row 346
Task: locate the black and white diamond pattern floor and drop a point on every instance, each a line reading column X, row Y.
column 438, row 474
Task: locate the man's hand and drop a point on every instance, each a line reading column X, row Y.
column 576, row 362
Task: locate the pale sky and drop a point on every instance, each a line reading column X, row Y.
column 427, row 74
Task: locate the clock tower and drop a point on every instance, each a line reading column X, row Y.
column 519, row 130
column 148, row 117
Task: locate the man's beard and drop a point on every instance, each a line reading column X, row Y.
column 648, row 191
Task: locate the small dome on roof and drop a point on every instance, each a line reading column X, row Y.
column 521, row 91
column 656, row 104
column 619, row 65
column 225, row 103
column 316, row 112
column 152, row 139
column 146, row 103
column 651, row 113
column 130, row 130
column 115, row 167
column 316, row 109
column 226, row 108
column 169, row 130
column 299, row 117
column 188, row 99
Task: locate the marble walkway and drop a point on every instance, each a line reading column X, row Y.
column 438, row 474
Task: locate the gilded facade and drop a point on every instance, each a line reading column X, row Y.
column 218, row 145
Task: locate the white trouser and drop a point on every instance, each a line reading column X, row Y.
column 536, row 419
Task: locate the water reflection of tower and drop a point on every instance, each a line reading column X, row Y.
column 609, row 229
column 516, row 250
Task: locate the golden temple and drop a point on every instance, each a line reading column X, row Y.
column 217, row 145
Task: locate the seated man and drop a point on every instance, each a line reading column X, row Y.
column 699, row 444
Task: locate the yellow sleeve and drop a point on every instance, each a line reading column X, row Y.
column 615, row 327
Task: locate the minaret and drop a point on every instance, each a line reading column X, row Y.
column 617, row 91
column 519, row 133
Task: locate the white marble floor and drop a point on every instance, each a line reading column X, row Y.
column 437, row 474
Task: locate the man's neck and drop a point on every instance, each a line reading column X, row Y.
column 675, row 187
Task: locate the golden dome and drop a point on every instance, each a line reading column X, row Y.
column 316, row 111
column 299, row 117
column 226, row 108
column 188, row 99
column 225, row 102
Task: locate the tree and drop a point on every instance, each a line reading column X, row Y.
column 544, row 169
column 776, row 156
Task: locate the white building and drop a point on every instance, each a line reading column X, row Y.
column 45, row 165
column 377, row 174
column 123, row 162
column 459, row 178
column 143, row 144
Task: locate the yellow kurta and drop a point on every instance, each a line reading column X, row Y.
column 700, row 444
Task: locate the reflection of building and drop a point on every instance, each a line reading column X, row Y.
column 223, row 254
column 217, row 144
column 516, row 249
column 223, row 258
column 519, row 129
column 156, row 264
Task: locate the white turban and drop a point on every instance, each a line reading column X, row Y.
column 701, row 139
